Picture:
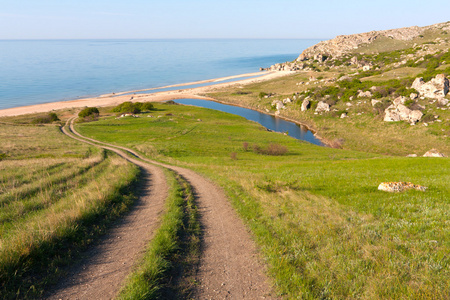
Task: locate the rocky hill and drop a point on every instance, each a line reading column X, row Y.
column 372, row 42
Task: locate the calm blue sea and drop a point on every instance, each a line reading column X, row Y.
column 40, row 71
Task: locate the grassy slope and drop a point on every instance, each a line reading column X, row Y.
column 365, row 132
column 56, row 196
column 323, row 227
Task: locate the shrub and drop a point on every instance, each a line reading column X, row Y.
column 380, row 107
column 330, row 101
column 51, row 117
column 245, row 146
column 262, row 95
column 336, row 143
column 241, row 93
column 233, row 155
column 89, row 112
column 2, row 156
column 170, row 102
column 427, row 118
column 272, row 149
column 313, row 105
column 133, row 108
column 127, row 107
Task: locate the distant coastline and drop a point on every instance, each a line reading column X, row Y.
column 114, row 99
column 36, row 71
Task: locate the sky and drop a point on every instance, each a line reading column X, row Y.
column 166, row 19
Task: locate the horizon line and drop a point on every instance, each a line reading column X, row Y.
column 206, row 38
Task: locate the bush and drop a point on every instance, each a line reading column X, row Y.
column 272, row 149
column 380, row 107
column 133, row 108
column 170, row 102
column 50, row 118
column 88, row 112
column 428, row 118
column 2, row 156
column 262, row 95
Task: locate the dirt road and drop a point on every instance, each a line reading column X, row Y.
column 107, row 264
column 229, row 265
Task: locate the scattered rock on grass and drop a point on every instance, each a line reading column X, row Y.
column 400, row 187
column 305, row 105
column 433, row 153
column 322, row 106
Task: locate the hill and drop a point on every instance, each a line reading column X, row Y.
column 366, row 91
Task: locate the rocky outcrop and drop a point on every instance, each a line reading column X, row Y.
column 305, row 105
column 399, row 112
column 346, row 43
column 436, row 88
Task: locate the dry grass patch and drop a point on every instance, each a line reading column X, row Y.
column 56, row 196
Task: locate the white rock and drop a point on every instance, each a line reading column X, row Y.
column 305, row 105
column 443, row 101
column 374, row 102
column 322, row 107
column 437, row 87
column 433, row 153
column 367, row 94
column 400, row 112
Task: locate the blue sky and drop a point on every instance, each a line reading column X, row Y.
column 78, row 19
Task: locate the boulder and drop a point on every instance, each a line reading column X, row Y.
column 278, row 104
column 367, row 94
column 400, row 112
column 443, row 101
column 322, row 107
column 374, row 102
column 343, row 115
column 305, row 105
column 366, row 68
column 433, row 153
column 436, row 88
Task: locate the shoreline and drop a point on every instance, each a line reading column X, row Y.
column 117, row 98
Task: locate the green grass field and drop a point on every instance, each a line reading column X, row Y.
column 323, row 228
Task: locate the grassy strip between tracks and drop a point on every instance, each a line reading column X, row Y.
column 167, row 268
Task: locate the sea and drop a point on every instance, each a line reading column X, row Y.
column 42, row 71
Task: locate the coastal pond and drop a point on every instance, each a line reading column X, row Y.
column 292, row 129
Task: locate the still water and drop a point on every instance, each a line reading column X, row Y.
column 275, row 124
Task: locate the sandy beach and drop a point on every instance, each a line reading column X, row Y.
column 117, row 98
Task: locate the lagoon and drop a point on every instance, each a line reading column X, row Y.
column 292, row 129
